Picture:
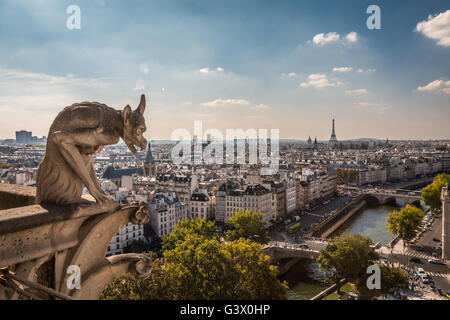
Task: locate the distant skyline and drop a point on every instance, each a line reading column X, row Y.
column 288, row 65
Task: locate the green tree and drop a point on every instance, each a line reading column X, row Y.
column 248, row 225
column 392, row 278
column 347, row 256
column 205, row 269
column 431, row 194
column 201, row 227
column 404, row 222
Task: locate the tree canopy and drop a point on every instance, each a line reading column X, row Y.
column 347, row 256
column 431, row 194
column 248, row 225
column 201, row 227
column 205, row 269
column 404, row 222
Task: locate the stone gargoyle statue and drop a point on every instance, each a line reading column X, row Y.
column 77, row 133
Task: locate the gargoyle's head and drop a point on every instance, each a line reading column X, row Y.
column 134, row 126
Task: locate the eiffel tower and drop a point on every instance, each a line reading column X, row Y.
column 333, row 134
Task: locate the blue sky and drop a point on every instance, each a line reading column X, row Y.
column 232, row 64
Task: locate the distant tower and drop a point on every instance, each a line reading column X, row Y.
column 315, row 141
column 333, row 134
column 445, row 197
column 309, row 140
column 149, row 163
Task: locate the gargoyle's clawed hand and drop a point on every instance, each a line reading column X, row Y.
column 100, row 196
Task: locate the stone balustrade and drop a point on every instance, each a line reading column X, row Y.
column 41, row 244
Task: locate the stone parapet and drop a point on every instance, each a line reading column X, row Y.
column 39, row 243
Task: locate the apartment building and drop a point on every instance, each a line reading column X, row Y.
column 291, row 196
column 165, row 212
column 231, row 198
column 179, row 184
column 124, row 237
column 302, row 194
column 201, row 205
column 278, row 207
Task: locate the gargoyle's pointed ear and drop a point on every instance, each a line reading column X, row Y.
column 141, row 106
column 126, row 112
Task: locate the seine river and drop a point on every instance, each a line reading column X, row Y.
column 370, row 222
column 301, row 287
column 305, row 291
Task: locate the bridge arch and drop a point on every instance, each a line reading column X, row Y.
column 371, row 200
column 390, row 200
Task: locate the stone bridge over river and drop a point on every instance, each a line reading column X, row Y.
column 282, row 250
column 285, row 255
column 391, row 198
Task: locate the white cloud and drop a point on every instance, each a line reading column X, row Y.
column 23, row 90
column 436, row 86
column 437, row 27
column 368, row 70
column 226, row 102
column 232, row 102
column 352, row 37
column 143, row 67
column 261, row 107
column 342, row 69
column 322, row 39
column 11, row 75
column 375, row 107
column 258, row 117
column 318, row 81
column 356, row 91
column 210, row 71
column 289, row 75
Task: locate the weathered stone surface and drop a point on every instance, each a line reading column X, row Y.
column 110, row 269
column 27, row 217
column 13, row 196
column 32, row 236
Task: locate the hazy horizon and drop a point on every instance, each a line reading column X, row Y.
column 285, row 65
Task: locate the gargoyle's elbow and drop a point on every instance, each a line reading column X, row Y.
column 57, row 137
